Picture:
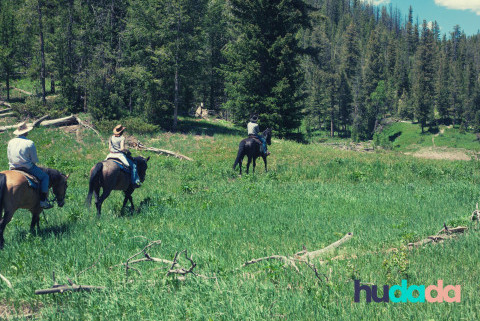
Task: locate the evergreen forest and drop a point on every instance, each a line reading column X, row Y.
column 340, row 66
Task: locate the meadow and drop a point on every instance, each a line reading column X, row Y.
column 311, row 196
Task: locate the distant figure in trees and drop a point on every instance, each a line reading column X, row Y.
column 116, row 146
column 254, row 130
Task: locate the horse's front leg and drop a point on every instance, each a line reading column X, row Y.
column 6, row 218
column 35, row 219
column 128, row 197
column 265, row 161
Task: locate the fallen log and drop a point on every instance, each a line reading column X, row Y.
column 6, row 110
column 38, row 121
column 135, row 143
column 70, row 120
column 446, row 233
column 7, row 114
column 174, row 267
column 4, row 103
column 79, row 121
column 67, row 288
column 303, row 256
column 60, row 288
column 167, row 152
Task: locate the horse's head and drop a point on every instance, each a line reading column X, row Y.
column 142, row 167
column 59, row 187
column 268, row 136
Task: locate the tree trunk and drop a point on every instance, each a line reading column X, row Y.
column 52, row 84
column 42, row 50
column 175, row 111
column 331, row 123
column 7, row 80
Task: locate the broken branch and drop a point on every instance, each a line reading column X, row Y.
column 6, row 281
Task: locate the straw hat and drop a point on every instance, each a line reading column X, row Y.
column 118, row 130
column 22, row 129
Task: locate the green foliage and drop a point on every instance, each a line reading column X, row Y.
column 134, row 124
column 385, row 199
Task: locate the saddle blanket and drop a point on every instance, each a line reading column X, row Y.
column 33, row 181
column 120, row 164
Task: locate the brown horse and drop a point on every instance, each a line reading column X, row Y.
column 110, row 176
column 16, row 193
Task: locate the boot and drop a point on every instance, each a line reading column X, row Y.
column 44, row 203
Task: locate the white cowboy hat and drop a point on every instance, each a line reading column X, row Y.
column 22, row 129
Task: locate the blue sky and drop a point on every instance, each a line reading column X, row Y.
column 448, row 13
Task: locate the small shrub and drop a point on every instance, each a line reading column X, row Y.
column 135, row 125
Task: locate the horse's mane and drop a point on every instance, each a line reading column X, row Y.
column 53, row 174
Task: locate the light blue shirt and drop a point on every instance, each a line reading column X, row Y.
column 21, row 153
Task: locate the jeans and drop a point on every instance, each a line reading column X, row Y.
column 133, row 167
column 264, row 142
column 42, row 176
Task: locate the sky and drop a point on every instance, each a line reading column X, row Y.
column 447, row 13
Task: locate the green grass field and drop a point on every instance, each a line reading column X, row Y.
column 312, row 196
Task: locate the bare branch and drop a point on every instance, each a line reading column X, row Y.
column 6, row 281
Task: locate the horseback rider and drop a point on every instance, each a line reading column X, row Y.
column 254, row 130
column 22, row 155
column 116, row 146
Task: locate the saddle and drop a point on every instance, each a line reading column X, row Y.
column 254, row 137
column 33, row 181
column 122, row 166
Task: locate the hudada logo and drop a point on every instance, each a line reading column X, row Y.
column 412, row 293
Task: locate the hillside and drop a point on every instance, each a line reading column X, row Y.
column 312, row 196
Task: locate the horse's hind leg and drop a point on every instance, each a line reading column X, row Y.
column 248, row 163
column 105, row 194
column 254, row 164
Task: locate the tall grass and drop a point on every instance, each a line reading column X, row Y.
column 311, row 197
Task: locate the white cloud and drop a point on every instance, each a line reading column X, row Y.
column 473, row 5
column 379, row 2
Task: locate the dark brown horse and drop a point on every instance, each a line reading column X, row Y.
column 16, row 193
column 110, row 176
column 251, row 147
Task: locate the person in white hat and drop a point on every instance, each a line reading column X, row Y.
column 116, row 147
column 254, row 130
column 22, row 155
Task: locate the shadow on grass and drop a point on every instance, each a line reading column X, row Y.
column 45, row 231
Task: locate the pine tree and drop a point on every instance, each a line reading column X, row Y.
column 262, row 74
column 9, row 46
column 425, row 78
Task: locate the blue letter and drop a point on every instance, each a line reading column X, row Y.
column 421, row 295
column 403, row 289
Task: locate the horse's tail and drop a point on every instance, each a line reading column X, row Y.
column 240, row 154
column 95, row 178
column 3, row 189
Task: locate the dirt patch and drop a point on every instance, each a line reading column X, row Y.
column 8, row 310
column 447, row 154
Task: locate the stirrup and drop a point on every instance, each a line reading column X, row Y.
column 45, row 205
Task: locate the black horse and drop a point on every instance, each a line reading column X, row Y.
column 109, row 176
column 251, row 147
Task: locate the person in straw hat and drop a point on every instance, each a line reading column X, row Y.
column 116, row 146
column 254, row 130
column 22, row 155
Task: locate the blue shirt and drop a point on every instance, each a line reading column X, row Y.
column 21, row 153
